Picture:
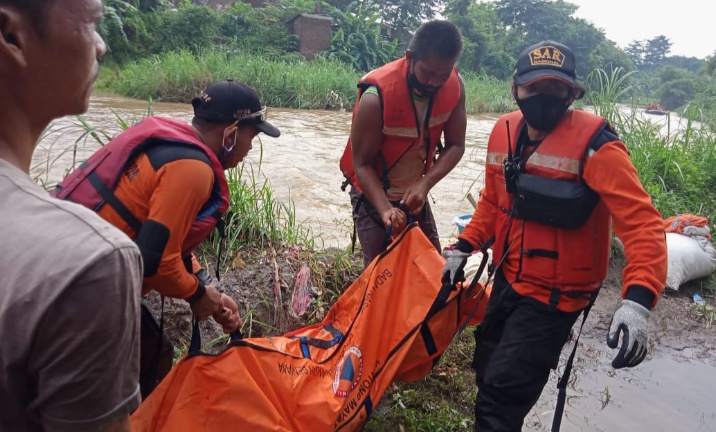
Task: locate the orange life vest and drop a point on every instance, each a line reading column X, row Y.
column 92, row 184
column 570, row 263
column 400, row 127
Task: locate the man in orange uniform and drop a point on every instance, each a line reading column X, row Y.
column 403, row 110
column 556, row 179
column 162, row 182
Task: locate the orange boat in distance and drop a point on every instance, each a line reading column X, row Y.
column 655, row 108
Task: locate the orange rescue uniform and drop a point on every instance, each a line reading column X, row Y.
column 172, row 196
column 580, row 259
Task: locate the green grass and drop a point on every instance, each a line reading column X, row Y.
column 290, row 83
column 180, row 76
column 255, row 219
column 442, row 401
column 677, row 168
column 487, row 94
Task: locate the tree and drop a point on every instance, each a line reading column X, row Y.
column 648, row 55
column 357, row 40
column 636, row 51
column 675, row 94
column 531, row 21
column 656, row 51
column 406, row 15
column 608, row 56
column 536, row 20
column 484, row 36
column 151, row 5
column 691, row 64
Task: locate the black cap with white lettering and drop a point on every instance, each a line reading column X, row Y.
column 547, row 59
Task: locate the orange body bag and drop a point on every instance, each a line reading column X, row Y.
column 391, row 324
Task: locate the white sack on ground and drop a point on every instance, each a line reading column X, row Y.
column 689, row 258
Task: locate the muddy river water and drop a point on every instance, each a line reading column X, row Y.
column 301, row 165
column 675, row 390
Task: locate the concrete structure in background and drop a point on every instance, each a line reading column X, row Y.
column 313, row 30
column 314, row 33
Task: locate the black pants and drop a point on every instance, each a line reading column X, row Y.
column 517, row 345
column 156, row 353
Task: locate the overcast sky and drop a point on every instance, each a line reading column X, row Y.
column 690, row 25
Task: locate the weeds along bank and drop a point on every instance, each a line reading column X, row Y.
column 317, row 84
column 677, row 166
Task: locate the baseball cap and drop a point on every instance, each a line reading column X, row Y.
column 547, row 59
column 229, row 101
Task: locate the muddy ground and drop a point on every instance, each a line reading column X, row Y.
column 673, row 390
column 254, row 282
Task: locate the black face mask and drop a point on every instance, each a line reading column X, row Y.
column 543, row 111
column 419, row 88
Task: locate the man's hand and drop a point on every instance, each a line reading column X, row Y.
column 393, row 218
column 631, row 319
column 414, row 198
column 208, row 304
column 453, row 270
column 229, row 317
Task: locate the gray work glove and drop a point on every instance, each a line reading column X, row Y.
column 631, row 319
column 453, row 270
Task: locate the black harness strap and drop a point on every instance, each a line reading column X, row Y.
column 544, row 253
column 474, row 283
column 562, row 384
column 221, row 226
column 110, row 198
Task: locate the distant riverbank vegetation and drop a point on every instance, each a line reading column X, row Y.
column 322, row 83
column 188, row 45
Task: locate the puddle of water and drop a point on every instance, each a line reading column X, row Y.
column 661, row 394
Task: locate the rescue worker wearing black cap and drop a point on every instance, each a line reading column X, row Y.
column 162, row 182
column 556, row 182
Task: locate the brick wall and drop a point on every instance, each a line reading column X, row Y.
column 314, row 34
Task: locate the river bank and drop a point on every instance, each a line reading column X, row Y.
column 318, row 84
column 671, row 389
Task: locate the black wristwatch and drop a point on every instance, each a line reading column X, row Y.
column 198, row 294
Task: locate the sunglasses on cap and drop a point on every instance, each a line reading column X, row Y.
column 262, row 115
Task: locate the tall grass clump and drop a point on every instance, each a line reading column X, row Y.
column 676, row 167
column 294, row 83
column 289, row 82
column 486, row 94
column 255, row 218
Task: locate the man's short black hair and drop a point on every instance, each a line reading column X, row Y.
column 36, row 10
column 437, row 37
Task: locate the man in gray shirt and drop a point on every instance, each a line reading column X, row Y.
column 69, row 282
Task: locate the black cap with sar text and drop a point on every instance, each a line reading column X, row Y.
column 547, row 59
column 228, row 101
